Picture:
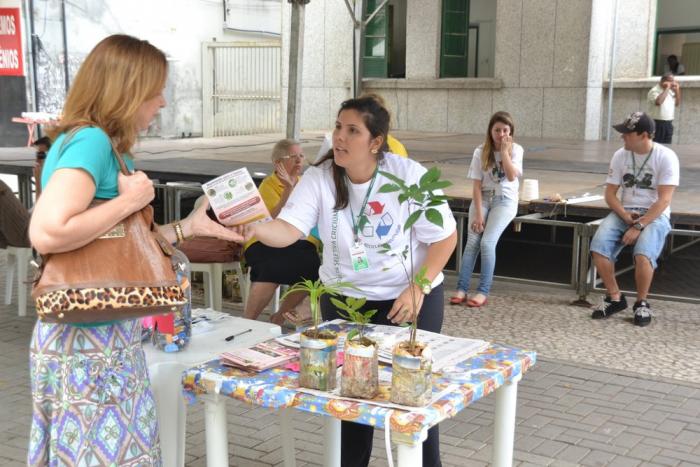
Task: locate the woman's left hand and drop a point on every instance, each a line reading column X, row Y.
column 401, row 310
column 199, row 224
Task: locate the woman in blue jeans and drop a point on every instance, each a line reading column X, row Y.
column 494, row 171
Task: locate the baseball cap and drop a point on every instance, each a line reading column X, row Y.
column 636, row 122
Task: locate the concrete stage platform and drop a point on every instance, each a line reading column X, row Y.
column 567, row 167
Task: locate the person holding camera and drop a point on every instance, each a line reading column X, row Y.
column 663, row 100
column 648, row 174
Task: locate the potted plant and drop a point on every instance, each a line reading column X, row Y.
column 411, row 382
column 318, row 346
column 360, row 374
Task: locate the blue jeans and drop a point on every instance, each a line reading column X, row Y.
column 607, row 240
column 498, row 211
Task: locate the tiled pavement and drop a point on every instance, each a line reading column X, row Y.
column 602, row 393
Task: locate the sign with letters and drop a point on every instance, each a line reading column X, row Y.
column 10, row 43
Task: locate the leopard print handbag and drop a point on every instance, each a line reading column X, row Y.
column 125, row 273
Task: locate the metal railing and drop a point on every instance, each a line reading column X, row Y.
column 591, row 282
column 538, row 219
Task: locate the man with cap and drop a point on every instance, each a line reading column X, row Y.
column 647, row 173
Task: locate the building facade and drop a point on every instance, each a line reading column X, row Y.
column 547, row 62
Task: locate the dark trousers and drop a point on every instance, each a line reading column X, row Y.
column 14, row 219
column 664, row 131
column 356, row 439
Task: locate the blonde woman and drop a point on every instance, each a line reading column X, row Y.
column 494, row 171
column 92, row 401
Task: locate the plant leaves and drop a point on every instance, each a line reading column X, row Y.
column 431, row 175
column 411, row 220
column 353, row 332
column 393, row 178
column 434, row 216
column 389, row 188
column 436, row 185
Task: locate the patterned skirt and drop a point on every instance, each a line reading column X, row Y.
column 92, row 401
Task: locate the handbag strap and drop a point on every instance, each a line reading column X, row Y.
column 120, row 159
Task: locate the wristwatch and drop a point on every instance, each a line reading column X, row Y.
column 426, row 289
column 639, row 226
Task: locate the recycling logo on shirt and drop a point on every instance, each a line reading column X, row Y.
column 380, row 222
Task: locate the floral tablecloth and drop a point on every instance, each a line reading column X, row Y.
column 277, row 388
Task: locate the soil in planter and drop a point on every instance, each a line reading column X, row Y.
column 411, row 380
column 360, row 376
column 318, row 360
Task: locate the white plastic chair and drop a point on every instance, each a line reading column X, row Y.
column 17, row 261
column 213, row 289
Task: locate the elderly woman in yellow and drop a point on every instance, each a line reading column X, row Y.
column 270, row 267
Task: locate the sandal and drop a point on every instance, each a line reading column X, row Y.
column 456, row 299
column 471, row 303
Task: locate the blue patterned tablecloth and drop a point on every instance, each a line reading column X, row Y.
column 277, row 388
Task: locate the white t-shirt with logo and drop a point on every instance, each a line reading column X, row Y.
column 312, row 203
column 495, row 178
column 638, row 181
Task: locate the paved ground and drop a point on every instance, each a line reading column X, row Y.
column 602, row 393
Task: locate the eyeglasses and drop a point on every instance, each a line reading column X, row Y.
column 293, row 156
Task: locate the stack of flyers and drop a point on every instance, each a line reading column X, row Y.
column 235, row 199
column 260, row 357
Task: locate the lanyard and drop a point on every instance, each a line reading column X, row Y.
column 634, row 166
column 357, row 225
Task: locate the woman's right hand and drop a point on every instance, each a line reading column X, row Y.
column 137, row 188
column 478, row 224
column 247, row 231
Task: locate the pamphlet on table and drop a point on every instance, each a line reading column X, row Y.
column 260, row 357
column 447, row 350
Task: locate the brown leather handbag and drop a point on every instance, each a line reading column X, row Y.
column 125, row 273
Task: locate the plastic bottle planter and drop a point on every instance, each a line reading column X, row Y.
column 318, row 364
column 182, row 319
column 411, row 380
column 360, row 377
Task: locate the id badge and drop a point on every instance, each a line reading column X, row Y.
column 358, row 255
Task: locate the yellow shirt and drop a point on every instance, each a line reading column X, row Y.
column 271, row 189
column 396, row 147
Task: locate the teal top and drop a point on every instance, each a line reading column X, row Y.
column 89, row 150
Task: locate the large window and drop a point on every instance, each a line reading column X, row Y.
column 677, row 37
column 468, row 38
column 384, row 50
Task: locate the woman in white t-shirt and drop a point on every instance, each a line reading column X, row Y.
column 494, row 171
column 341, row 195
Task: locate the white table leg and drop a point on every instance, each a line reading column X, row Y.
column 287, row 435
column 171, row 410
column 216, row 430
column 331, row 447
column 409, row 455
column 504, row 429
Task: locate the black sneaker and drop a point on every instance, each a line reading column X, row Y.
column 642, row 313
column 609, row 307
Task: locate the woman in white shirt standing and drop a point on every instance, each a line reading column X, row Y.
column 494, row 171
column 341, row 195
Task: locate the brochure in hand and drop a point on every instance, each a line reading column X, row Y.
column 235, row 199
column 260, row 357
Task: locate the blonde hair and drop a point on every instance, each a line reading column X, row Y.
column 117, row 77
column 282, row 148
column 488, row 158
